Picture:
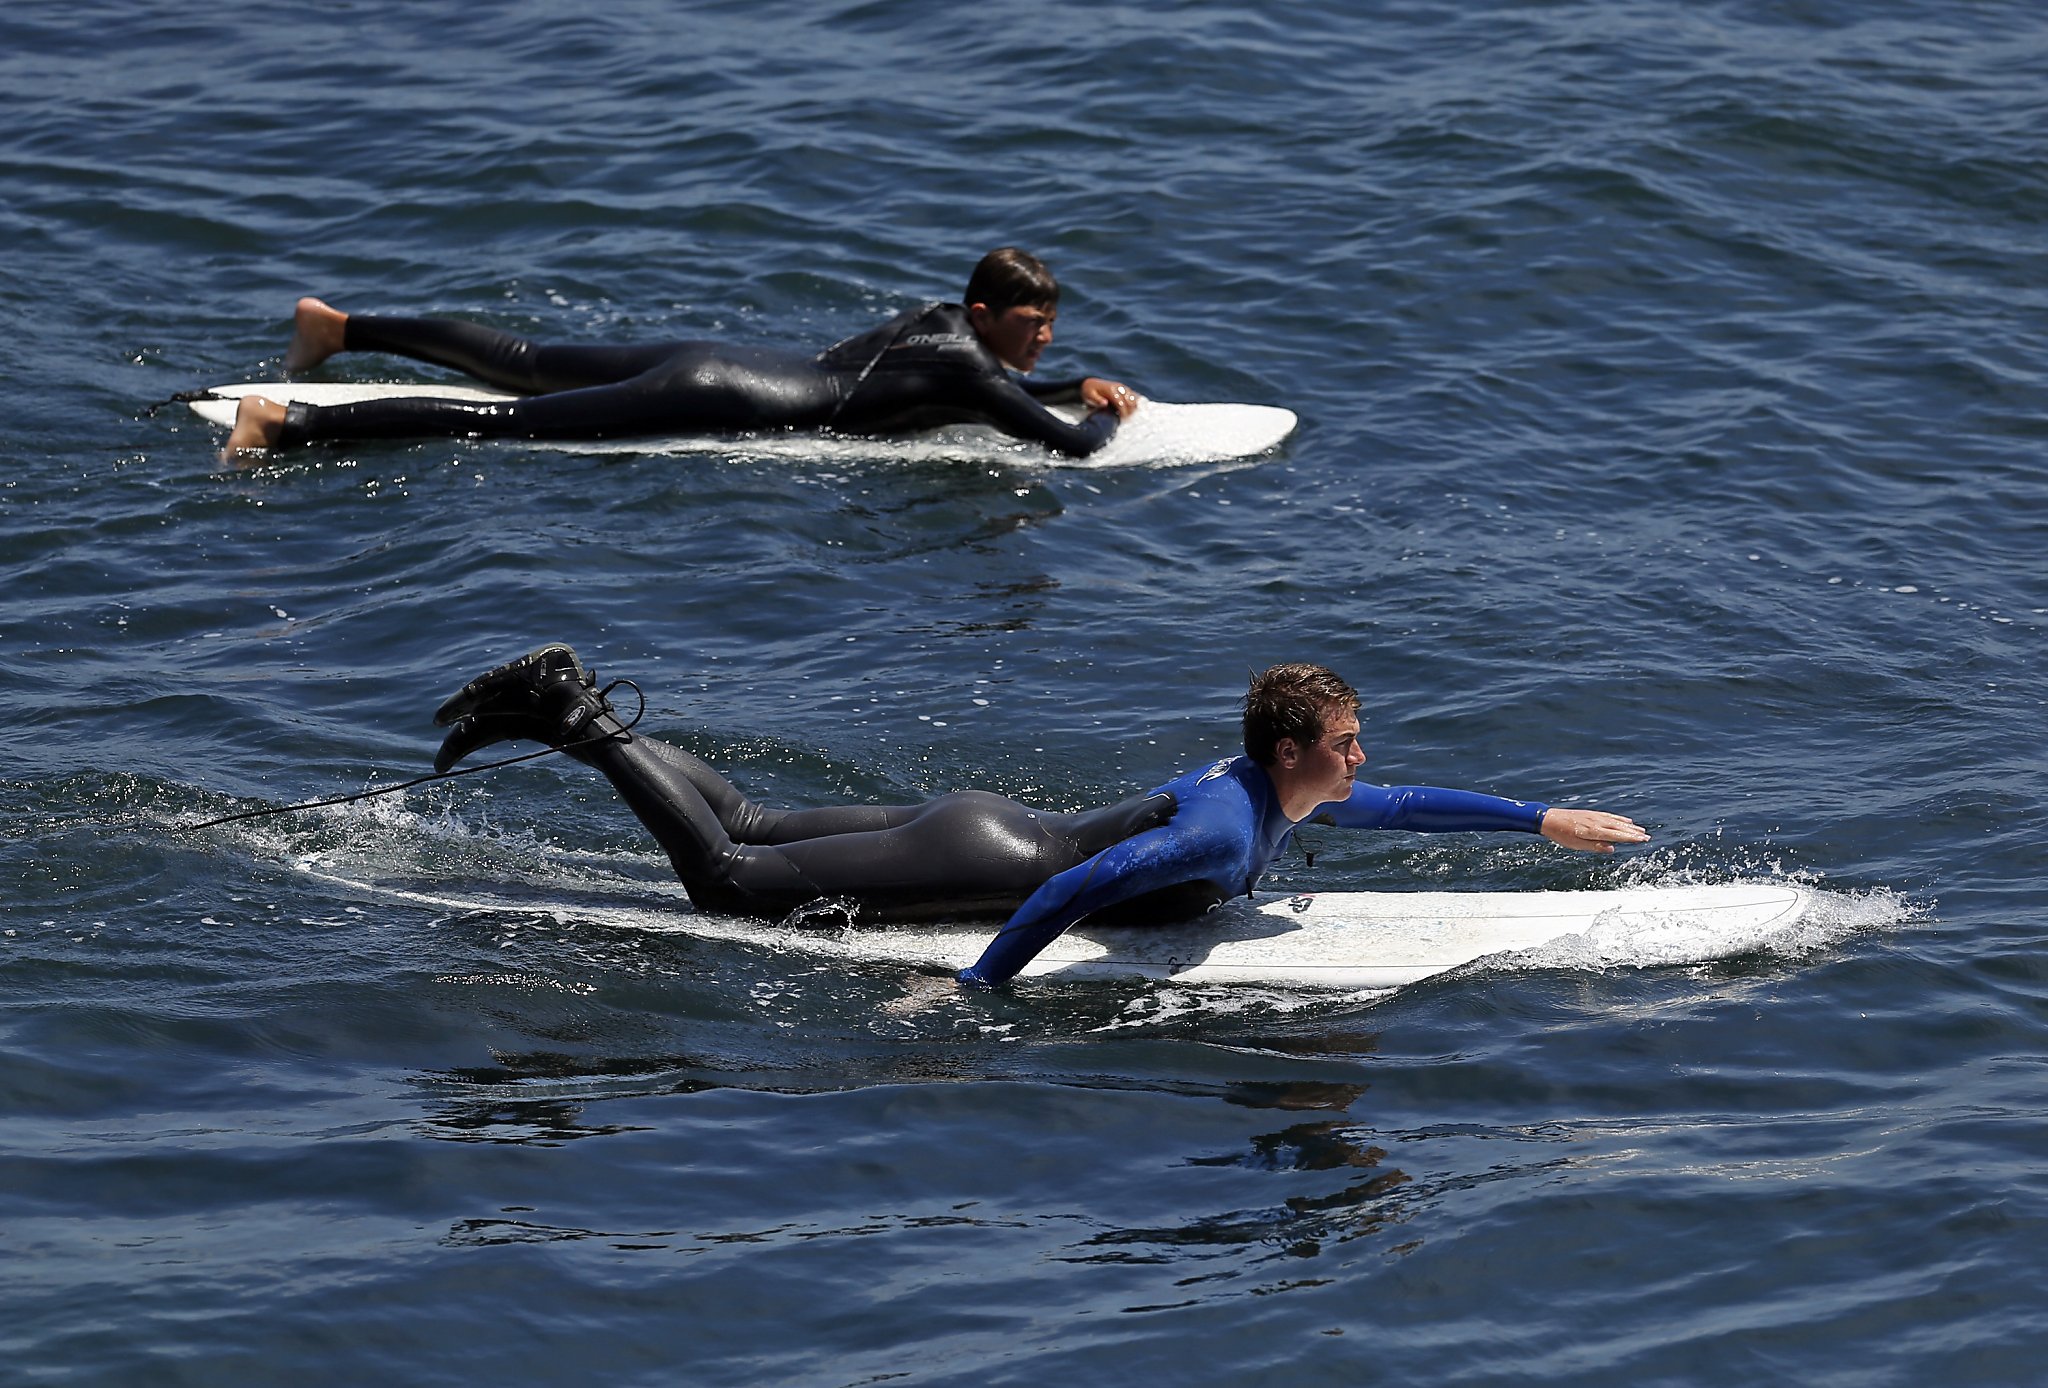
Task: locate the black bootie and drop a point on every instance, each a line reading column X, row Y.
column 543, row 696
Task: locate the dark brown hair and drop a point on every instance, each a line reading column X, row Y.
column 1009, row 277
column 1291, row 701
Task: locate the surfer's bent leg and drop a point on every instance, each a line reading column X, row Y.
column 970, row 853
column 548, row 696
column 966, row 854
column 891, row 862
column 744, row 821
column 720, row 875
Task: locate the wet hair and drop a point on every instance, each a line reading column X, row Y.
column 1008, row 278
column 1291, row 701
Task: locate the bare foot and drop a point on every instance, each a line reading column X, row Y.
column 317, row 334
column 258, row 422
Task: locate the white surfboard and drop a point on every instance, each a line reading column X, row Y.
column 1158, row 433
column 1336, row 940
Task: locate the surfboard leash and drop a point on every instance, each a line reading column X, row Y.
column 185, row 397
column 638, row 714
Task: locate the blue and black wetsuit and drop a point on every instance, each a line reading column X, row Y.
column 1167, row 855
column 1226, row 831
column 923, row 369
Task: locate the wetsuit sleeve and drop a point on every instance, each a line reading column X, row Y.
column 1065, row 392
column 1011, row 408
column 1429, row 810
column 1167, row 856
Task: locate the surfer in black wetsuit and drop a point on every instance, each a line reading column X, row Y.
column 1187, row 845
column 927, row 367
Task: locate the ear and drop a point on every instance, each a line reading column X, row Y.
column 1287, row 753
column 979, row 316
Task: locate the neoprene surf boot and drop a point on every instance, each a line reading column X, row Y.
column 544, row 696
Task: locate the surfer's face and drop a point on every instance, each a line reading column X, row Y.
column 1328, row 764
column 1016, row 335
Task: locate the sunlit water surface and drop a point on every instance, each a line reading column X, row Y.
column 1672, row 441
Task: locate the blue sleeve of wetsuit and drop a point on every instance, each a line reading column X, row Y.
column 1164, row 857
column 1429, row 810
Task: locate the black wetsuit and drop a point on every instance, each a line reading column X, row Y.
column 923, row 369
column 968, row 854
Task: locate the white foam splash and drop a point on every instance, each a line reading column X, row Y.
column 1648, row 940
column 1167, row 1003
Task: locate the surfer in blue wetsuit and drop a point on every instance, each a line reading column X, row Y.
column 1179, row 850
column 925, row 368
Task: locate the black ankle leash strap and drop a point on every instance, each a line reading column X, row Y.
column 440, row 775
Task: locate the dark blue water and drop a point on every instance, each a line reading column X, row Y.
column 1673, row 440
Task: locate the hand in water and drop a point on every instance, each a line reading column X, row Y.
column 921, row 995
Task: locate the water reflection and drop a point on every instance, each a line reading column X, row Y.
column 519, row 1100
column 1299, row 1226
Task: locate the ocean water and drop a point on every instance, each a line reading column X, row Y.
column 1673, row 437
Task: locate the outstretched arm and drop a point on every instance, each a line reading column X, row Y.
column 1434, row 809
column 1429, row 810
